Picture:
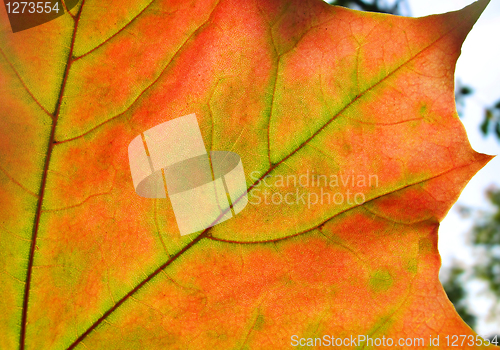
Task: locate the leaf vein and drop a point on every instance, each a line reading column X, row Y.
column 43, row 181
column 153, row 83
column 18, row 183
column 206, row 234
column 24, row 85
column 115, row 34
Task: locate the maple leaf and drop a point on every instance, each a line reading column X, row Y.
column 345, row 123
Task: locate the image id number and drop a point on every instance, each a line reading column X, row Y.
column 32, row 7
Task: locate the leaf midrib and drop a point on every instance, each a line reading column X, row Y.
column 43, row 182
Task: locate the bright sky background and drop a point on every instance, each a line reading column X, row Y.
column 478, row 67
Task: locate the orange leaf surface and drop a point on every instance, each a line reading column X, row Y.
column 353, row 152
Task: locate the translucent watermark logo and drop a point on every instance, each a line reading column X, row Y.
column 171, row 158
column 310, row 189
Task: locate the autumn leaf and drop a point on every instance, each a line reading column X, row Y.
column 353, row 152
